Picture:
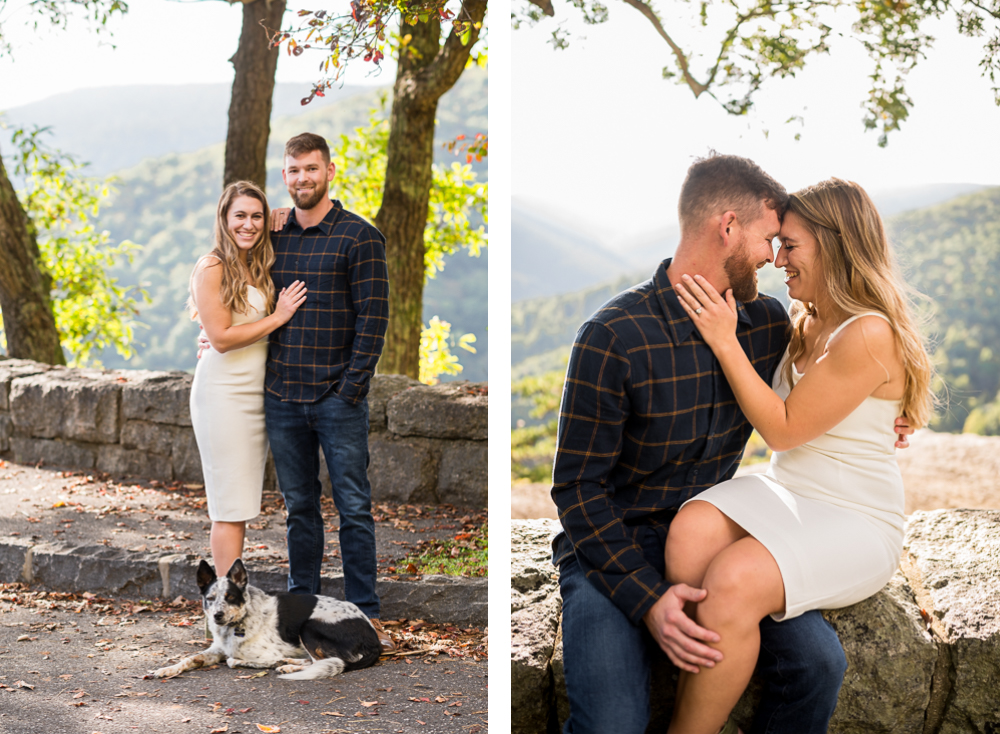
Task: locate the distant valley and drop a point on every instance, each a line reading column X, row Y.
column 165, row 146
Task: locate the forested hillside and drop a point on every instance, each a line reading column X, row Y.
column 949, row 252
column 167, row 205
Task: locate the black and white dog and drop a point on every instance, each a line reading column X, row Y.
column 255, row 629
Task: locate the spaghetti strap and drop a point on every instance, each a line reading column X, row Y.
column 888, row 377
column 855, row 318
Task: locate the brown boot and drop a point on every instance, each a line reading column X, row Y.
column 383, row 636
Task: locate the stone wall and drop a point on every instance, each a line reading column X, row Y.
column 923, row 654
column 428, row 444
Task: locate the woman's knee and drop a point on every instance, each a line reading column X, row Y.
column 688, row 541
column 743, row 583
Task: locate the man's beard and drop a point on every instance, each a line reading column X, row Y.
column 742, row 274
column 302, row 200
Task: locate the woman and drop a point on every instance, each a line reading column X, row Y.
column 823, row 528
column 232, row 295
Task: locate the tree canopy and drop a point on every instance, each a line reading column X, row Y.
column 752, row 41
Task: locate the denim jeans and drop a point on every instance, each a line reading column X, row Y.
column 296, row 431
column 607, row 662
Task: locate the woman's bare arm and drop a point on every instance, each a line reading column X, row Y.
column 833, row 387
column 217, row 319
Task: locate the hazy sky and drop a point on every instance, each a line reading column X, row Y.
column 601, row 138
column 158, row 42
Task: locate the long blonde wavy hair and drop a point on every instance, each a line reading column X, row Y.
column 233, row 259
column 861, row 275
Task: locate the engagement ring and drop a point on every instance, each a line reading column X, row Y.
column 697, row 312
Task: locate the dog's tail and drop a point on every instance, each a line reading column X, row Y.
column 326, row 668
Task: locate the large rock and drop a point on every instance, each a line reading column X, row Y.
column 462, row 475
column 448, row 410
column 955, row 557
column 903, row 675
column 53, row 452
column 535, row 608
column 11, row 368
column 402, row 469
column 80, row 405
column 160, row 397
column 120, row 461
column 383, row 388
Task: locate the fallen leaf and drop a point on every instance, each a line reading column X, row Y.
column 224, row 727
column 22, row 684
column 269, row 729
column 81, row 694
column 366, row 704
column 332, row 713
column 440, row 699
column 304, row 703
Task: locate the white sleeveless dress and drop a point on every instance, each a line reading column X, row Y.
column 829, row 511
column 227, row 411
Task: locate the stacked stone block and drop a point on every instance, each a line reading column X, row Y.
column 428, row 444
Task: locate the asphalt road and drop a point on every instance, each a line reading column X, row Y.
column 79, row 667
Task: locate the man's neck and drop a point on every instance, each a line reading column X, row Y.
column 686, row 261
column 311, row 217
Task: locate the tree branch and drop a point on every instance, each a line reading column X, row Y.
column 545, row 6
column 696, row 86
column 441, row 74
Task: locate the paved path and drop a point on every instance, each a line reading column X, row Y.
column 81, row 664
column 79, row 531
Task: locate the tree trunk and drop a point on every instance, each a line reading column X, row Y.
column 422, row 78
column 253, row 87
column 28, row 322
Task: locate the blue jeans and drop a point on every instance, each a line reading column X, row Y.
column 607, row 662
column 296, row 431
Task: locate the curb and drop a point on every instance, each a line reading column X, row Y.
column 109, row 571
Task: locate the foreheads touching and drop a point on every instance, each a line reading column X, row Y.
column 718, row 184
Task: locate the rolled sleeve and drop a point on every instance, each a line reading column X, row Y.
column 595, row 406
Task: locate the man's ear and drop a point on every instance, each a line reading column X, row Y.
column 726, row 223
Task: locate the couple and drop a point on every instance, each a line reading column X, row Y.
column 664, row 386
column 304, row 386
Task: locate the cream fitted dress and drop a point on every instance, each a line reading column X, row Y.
column 829, row 511
column 227, row 411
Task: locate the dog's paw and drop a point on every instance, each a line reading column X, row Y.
column 296, row 661
column 168, row 672
column 289, row 668
column 235, row 663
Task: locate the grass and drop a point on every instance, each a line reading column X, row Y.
column 464, row 555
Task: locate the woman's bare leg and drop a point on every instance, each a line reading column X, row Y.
column 744, row 585
column 697, row 535
column 227, row 544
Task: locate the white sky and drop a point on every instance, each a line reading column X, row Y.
column 158, row 42
column 602, row 139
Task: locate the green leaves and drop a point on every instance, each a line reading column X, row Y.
column 757, row 40
column 91, row 310
column 456, row 198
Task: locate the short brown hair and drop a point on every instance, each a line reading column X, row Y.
column 306, row 143
column 721, row 183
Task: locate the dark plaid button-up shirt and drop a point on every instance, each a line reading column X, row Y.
column 334, row 340
column 647, row 422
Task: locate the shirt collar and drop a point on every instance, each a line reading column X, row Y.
column 679, row 323
column 325, row 225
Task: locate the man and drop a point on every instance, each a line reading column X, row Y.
column 647, row 422
column 319, row 370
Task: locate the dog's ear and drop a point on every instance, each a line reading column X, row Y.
column 206, row 576
column 238, row 573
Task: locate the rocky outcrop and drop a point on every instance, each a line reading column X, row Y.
column 428, row 444
column 923, row 654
